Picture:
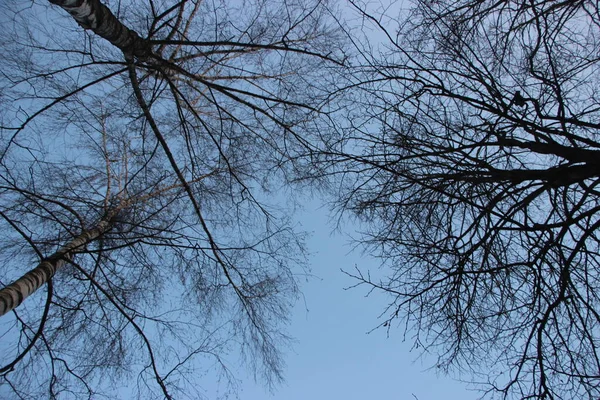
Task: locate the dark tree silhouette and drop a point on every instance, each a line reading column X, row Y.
column 475, row 170
column 142, row 144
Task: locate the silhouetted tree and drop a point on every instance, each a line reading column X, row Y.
column 472, row 157
column 139, row 152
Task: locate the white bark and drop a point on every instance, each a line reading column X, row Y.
column 93, row 15
column 13, row 295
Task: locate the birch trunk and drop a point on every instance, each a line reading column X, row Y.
column 13, row 295
column 93, row 15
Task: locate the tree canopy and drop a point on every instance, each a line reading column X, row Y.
column 147, row 148
column 143, row 147
column 472, row 159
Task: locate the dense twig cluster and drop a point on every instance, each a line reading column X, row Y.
column 476, row 168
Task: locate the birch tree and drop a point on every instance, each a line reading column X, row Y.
column 156, row 132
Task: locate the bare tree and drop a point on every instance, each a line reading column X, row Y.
column 141, row 146
column 472, row 158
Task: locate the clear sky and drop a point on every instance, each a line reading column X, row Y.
column 334, row 356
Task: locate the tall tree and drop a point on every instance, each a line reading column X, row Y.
column 475, row 172
column 161, row 128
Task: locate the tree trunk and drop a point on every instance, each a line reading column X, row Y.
column 13, row 295
column 93, row 15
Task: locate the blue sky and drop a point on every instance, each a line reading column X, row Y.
column 334, row 356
